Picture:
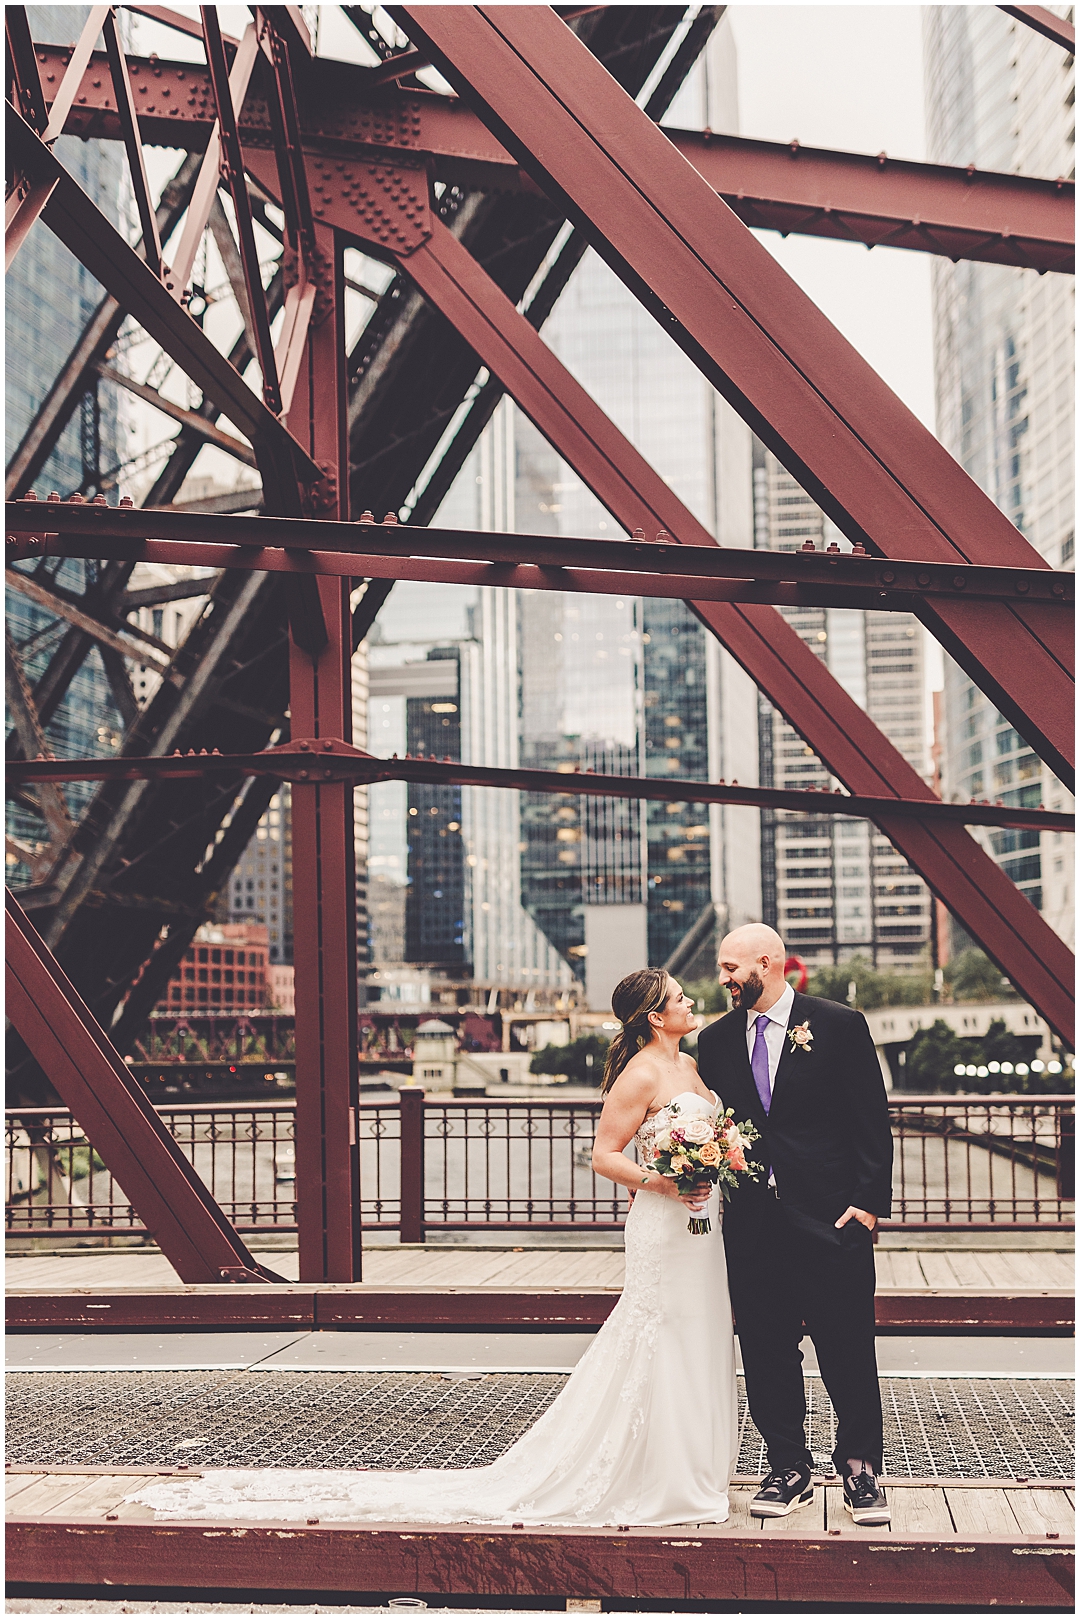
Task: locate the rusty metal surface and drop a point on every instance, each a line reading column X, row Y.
column 763, row 344
column 125, row 1130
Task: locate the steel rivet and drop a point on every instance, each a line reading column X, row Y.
column 888, row 576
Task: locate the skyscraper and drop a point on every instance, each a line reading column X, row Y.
column 837, row 888
column 1000, row 96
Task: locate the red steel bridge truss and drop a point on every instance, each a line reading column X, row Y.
column 466, row 200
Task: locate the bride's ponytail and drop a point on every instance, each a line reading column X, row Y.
column 639, row 994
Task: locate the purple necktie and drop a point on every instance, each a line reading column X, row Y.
column 759, row 1062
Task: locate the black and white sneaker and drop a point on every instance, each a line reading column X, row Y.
column 865, row 1499
column 781, row 1493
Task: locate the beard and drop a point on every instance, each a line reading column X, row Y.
column 747, row 995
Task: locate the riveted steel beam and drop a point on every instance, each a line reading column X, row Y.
column 325, row 758
column 841, row 432
column 959, row 213
column 881, row 201
column 539, row 561
column 92, row 1080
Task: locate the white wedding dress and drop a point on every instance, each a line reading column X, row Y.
column 644, row 1433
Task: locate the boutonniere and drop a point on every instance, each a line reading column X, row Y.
column 801, row 1037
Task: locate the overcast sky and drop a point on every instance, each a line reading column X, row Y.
column 848, row 77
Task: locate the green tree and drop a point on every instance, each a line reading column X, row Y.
column 872, row 988
column 582, row 1060
column 935, row 1053
column 972, row 976
column 931, row 1057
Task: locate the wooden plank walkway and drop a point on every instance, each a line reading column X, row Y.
column 902, row 1270
column 950, row 1544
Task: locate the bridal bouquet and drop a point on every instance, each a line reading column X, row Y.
column 704, row 1150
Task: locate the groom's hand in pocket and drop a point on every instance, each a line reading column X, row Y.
column 852, row 1213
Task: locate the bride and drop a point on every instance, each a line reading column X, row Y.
column 645, row 1431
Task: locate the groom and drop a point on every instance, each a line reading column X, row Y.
column 799, row 1240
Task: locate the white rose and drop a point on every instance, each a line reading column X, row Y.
column 698, row 1131
column 663, row 1142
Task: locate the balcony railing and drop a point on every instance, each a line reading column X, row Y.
column 430, row 1165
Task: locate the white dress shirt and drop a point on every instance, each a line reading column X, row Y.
column 775, row 1030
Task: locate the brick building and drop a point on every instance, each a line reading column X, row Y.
column 223, row 970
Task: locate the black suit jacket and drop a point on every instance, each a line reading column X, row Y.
column 827, row 1134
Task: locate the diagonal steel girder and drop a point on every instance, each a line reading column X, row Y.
column 953, row 864
column 112, row 1109
column 1045, row 22
column 836, row 426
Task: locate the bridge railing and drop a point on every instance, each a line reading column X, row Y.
column 977, row 1162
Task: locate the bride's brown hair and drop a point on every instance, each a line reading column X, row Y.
column 639, row 994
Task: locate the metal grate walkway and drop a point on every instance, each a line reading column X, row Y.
column 939, row 1427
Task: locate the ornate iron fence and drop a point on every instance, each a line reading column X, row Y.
column 428, row 1165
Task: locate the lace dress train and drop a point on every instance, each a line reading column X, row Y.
column 645, row 1431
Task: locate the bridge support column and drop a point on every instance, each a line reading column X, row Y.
column 324, row 894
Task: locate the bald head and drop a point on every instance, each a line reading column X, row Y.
column 751, row 966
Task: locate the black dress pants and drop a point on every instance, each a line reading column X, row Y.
column 782, row 1275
